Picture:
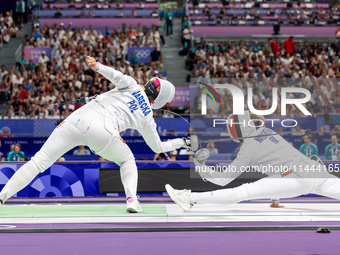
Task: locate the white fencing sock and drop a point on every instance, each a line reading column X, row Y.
column 19, row 180
column 268, row 187
column 129, row 176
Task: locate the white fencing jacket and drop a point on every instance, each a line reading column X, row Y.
column 270, row 155
column 128, row 107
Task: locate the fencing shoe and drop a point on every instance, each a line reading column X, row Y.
column 133, row 205
column 180, row 197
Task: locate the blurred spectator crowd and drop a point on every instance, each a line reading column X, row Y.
column 297, row 15
column 313, row 67
column 39, row 90
column 8, row 28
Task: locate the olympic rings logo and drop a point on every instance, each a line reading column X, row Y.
column 142, row 53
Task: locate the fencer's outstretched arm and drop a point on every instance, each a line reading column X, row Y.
column 213, row 175
column 119, row 79
column 225, row 174
column 152, row 139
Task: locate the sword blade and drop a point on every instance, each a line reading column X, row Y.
column 245, row 137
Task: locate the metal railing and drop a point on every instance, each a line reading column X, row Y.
column 18, row 53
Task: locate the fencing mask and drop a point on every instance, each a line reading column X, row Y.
column 164, row 96
column 240, row 126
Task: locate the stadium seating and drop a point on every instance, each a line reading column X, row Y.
column 101, row 23
column 98, row 13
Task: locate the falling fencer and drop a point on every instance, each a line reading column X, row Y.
column 290, row 173
column 98, row 125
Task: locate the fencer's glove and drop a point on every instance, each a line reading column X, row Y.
column 191, row 142
column 186, row 142
column 92, row 63
column 176, row 143
column 83, row 100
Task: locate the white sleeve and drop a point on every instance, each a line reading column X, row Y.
column 213, row 175
column 152, row 139
column 118, row 79
column 244, row 158
column 226, row 174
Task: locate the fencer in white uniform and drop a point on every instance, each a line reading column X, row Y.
column 291, row 173
column 98, row 125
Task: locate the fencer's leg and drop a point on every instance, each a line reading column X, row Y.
column 129, row 176
column 120, row 153
column 60, row 141
column 329, row 187
column 289, row 186
column 19, row 180
column 224, row 196
column 277, row 186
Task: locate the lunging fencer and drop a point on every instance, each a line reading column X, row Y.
column 290, row 173
column 98, row 125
